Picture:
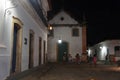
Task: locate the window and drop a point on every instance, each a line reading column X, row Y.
column 75, row 32
column 117, row 51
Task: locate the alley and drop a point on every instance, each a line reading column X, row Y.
column 77, row 72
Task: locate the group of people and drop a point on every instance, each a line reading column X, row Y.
column 70, row 59
column 67, row 58
column 92, row 59
column 77, row 59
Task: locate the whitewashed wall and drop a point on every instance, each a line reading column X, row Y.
column 2, row 10
column 67, row 19
column 45, row 6
column 110, row 45
column 5, row 39
column 64, row 33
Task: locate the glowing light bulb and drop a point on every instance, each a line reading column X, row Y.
column 59, row 41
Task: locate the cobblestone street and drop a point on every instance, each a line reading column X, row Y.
column 77, row 72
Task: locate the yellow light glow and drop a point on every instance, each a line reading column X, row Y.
column 51, row 28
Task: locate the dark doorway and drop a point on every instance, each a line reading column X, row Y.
column 62, row 49
column 40, row 48
column 15, row 50
column 31, row 48
column 44, row 55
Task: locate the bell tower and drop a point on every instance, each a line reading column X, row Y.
column 84, row 34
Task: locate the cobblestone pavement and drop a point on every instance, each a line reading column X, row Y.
column 77, row 72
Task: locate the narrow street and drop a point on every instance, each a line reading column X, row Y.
column 77, row 72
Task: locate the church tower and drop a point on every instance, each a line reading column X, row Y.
column 84, row 34
column 84, row 40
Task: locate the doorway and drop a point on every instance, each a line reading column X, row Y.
column 40, row 48
column 44, row 53
column 62, row 49
column 31, row 49
column 16, row 48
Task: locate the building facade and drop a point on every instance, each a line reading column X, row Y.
column 23, row 36
column 66, row 36
column 107, row 50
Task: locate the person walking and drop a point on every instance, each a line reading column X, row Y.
column 64, row 57
column 69, row 58
column 77, row 56
column 95, row 60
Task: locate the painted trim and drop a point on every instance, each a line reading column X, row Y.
column 28, row 7
column 17, row 20
column 2, row 46
column 19, row 44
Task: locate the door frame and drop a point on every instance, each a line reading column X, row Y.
column 19, row 23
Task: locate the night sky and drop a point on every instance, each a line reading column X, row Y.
column 102, row 16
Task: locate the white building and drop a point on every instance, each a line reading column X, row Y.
column 108, row 48
column 23, row 35
column 66, row 36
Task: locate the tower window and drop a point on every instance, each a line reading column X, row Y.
column 75, row 32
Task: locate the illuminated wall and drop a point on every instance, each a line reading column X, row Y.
column 2, row 11
column 106, row 48
column 64, row 32
column 8, row 10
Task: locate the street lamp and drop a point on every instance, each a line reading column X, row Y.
column 59, row 41
column 50, row 27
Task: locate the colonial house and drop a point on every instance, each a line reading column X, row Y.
column 107, row 50
column 66, row 36
column 23, row 35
